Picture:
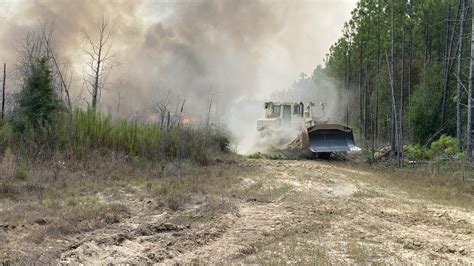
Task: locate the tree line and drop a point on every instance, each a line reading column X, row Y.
column 410, row 63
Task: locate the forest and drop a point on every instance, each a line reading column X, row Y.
column 409, row 64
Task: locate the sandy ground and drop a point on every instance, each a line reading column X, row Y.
column 307, row 212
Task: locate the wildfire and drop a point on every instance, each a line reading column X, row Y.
column 188, row 119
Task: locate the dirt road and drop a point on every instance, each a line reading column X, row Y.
column 283, row 212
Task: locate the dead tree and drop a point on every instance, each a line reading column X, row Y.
column 181, row 112
column 31, row 48
column 100, row 59
column 209, row 105
column 63, row 84
column 161, row 106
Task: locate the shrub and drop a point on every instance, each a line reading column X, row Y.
column 256, row 155
column 416, row 152
column 444, row 147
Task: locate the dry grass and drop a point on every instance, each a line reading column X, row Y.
column 439, row 187
column 293, row 245
column 74, row 196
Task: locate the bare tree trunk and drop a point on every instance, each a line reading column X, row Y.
column 410, row 58
column 95, row 88
column 390, row 64
column 469, row 94
column 458, row 75
column 3, row 89
column 447, row 64
column 361, row 100
column 348, row 69
column 61, row 77
column 100, row 58
column 209, row 109
column 367, row 103
column 402, row 96
column 376, row 121
column 181, row 112
column 119, row 100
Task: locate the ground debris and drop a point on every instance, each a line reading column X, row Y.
column 149, row 229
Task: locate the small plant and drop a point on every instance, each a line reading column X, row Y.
column 8, row 164
column 21, row 173
column 368, row 156
column 256, row 155
column 259, row 155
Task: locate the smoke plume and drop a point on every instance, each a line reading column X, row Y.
column 220, row 49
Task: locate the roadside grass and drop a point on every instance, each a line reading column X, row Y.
column 439, row 187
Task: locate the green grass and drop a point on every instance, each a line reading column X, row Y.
column 259, row 155
column 85, row 130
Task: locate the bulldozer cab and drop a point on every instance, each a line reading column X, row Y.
column 283, row 110
column 286, row 116
column 280, row 115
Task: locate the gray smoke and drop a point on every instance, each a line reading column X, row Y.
column 232, row 50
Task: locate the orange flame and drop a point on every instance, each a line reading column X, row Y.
column 188, row 120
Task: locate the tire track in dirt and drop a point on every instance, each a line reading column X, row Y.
column 254, row 222
column 328, row 211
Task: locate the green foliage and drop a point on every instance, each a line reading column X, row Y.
column 83, row 131
column 416, row 152
column 368, row 156
column 359, row 61
column 256, row 155
column 421, row 114
column 443, row 148
column 37, row 102
column 259, row 155
column 21, row 173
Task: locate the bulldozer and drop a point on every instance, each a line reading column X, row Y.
column 294, row 126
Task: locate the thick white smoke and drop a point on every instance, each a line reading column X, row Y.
column 224, row 50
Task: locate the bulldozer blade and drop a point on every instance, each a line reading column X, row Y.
column 331, row 140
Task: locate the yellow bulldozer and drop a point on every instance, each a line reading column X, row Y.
column 292, row 125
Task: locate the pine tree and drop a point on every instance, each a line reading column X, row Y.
column 37, row 102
